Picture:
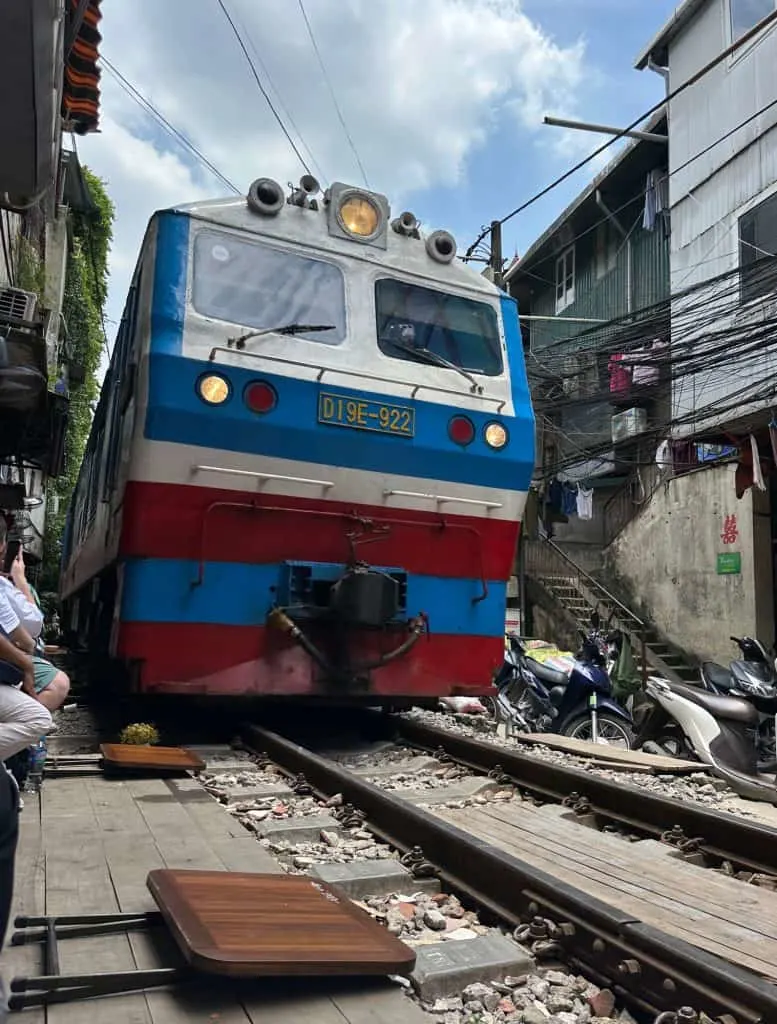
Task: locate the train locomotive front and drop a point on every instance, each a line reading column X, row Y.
column 308, row 466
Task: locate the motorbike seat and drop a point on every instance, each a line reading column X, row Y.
column 733, row 709
column 717, row 676
column 546, row 674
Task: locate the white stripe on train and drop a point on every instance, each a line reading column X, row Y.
column 166, row 462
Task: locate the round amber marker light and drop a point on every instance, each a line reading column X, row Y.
column 213, row 389
column 359, row 216
column 496, row 435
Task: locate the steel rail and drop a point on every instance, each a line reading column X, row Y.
column 724, row 837
column 654, row 970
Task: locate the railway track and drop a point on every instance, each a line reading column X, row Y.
column 658, row 975
column 745, row 847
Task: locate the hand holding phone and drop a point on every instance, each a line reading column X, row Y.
column 17, row 566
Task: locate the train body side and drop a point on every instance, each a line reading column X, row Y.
column 193, row 521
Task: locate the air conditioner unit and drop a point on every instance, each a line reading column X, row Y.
column 16, row 304
column 628, row 424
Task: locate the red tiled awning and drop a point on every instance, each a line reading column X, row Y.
column 81, row 87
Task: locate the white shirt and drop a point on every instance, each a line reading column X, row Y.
column 15, row 609
column 585, row 503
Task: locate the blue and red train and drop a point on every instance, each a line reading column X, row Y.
column 309, row 462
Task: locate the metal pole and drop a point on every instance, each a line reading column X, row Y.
column 496, row 252
column 603, row 129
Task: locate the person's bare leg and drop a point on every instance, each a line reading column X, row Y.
column 55, row 694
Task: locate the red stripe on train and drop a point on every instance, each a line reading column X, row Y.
column 215, row 660
column 176, row 521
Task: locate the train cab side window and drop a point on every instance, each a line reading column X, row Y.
column 121, row 381
column 254, row 285
column 462, row 331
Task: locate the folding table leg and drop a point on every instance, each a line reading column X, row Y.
column 65, row 988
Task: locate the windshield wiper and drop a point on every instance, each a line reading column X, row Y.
column 240, row 343
column 426, row 355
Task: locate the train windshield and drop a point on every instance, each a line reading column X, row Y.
column 413, row 320
column 254, row 285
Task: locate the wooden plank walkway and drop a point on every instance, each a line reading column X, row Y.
column 612, row 757
column 737, row 922
column 87, row 845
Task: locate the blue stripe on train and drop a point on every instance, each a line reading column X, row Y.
column 291, row 430
column 239, row 594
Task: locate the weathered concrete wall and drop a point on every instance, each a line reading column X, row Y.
column 665, row 562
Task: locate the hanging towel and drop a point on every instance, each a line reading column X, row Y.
column 758, row 477
column 585, row 503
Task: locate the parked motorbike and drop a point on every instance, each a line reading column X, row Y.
column 532, row 697
column 754, row 679
column 719, row 730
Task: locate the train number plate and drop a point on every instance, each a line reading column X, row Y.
column 385, row 418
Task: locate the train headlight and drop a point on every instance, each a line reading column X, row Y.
column 359, row 216
column 213, row 389
column 495, row 435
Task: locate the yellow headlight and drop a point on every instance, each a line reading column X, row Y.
column 495, row 435
column 213, row 389
column 359, row 216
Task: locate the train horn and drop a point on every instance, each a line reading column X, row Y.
column 441, row 246
column 303, row 194
column 309, row 185
column 406, row 224
column 265, row 196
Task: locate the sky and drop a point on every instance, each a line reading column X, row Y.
column 442, row 99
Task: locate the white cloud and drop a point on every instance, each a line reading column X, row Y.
column 421, row 86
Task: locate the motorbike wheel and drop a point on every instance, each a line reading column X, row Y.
column 612, row 731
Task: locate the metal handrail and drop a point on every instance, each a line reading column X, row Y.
column 595, row 583
column 632, row 623
column 346, row 371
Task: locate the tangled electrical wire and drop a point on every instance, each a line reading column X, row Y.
column 718, row 337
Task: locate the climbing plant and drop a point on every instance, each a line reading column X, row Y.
column 86, row 289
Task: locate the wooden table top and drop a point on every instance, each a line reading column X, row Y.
column 136, row 756
column 255, row 925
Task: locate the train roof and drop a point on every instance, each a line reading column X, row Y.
column 310, row 227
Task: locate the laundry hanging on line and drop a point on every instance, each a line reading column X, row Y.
column 585, row 502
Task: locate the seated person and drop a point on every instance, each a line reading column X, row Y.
column 51, row 684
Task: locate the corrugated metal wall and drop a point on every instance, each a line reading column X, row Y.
column 597, row 297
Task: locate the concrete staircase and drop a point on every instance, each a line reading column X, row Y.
column 575, row 594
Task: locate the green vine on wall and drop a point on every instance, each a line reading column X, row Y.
column 30, row 271
column 86, row 290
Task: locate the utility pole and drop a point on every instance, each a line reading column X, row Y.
column 496, row 251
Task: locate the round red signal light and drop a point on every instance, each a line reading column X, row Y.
column 260, row 397
column 461, row 430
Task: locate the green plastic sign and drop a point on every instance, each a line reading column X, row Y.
column 730, row 563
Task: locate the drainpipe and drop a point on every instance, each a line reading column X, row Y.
column 629, row 253
column 658, row 70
